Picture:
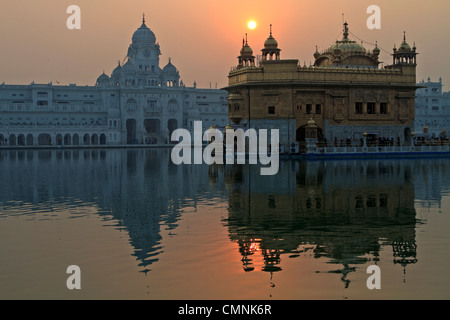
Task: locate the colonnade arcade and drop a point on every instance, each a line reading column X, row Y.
column 47, row 139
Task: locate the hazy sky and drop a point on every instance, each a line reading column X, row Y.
column 203, row 37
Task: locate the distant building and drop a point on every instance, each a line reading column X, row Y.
column 432, row 109
column 344, row 92
column 139, row 103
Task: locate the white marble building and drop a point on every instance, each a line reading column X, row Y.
column 432, row 107
column 139, row 103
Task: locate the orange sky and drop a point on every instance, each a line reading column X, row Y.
column 203, row 37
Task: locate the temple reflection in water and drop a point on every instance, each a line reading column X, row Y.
column 344, row 211
column 139, row 191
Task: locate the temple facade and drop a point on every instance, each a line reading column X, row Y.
column 345, row 92
column 432, row 110
column 138, row 103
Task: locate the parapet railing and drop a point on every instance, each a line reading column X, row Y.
column 434, row 147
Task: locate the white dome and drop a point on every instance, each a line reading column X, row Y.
column 170, row 68
column 103, row 79
column 144, row 36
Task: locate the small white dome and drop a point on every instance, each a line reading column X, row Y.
column 170, row 68
column 103, row 79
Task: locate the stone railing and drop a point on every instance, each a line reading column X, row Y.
column 437, row 148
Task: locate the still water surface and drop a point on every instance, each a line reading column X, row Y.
column 140, row 227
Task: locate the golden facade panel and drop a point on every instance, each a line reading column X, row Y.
column 344, row 92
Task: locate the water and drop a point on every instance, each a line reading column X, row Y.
column 140, row 227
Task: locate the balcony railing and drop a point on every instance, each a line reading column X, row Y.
column 428, row 147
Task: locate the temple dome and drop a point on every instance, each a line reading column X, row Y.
column 347, row 53
column 311, row 123
column 347, row 46
column 170, row 68
column 144, row 35
column 270, row 42
column 376, row 50
column 246, row 49
column 404, row 46
column 103, row 79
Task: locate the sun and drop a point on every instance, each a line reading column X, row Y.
column 252, row 24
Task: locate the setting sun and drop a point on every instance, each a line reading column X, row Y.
column 252, row 24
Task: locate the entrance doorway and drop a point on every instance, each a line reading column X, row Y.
column 131, row 131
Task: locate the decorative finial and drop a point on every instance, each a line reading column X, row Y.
column 345, row 30
column 404, row 36
column 270, row 29
column 246, row 38
column 143, row 18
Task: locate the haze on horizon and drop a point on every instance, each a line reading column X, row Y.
column 204, row 37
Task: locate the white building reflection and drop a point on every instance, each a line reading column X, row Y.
column 430, row 182
column 141, row 189
column 346, row 211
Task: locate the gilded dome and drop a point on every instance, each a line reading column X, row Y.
column 347, row 46
column 270, row 43
column 317, row 53
column 376, row 50
column 311, row 123
column 246, row 50
column 404, row 46
column 346, row 52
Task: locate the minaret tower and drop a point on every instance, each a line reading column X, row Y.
column 246, row 59
column 271, row 50
column 404, row 54
column 405, row 58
